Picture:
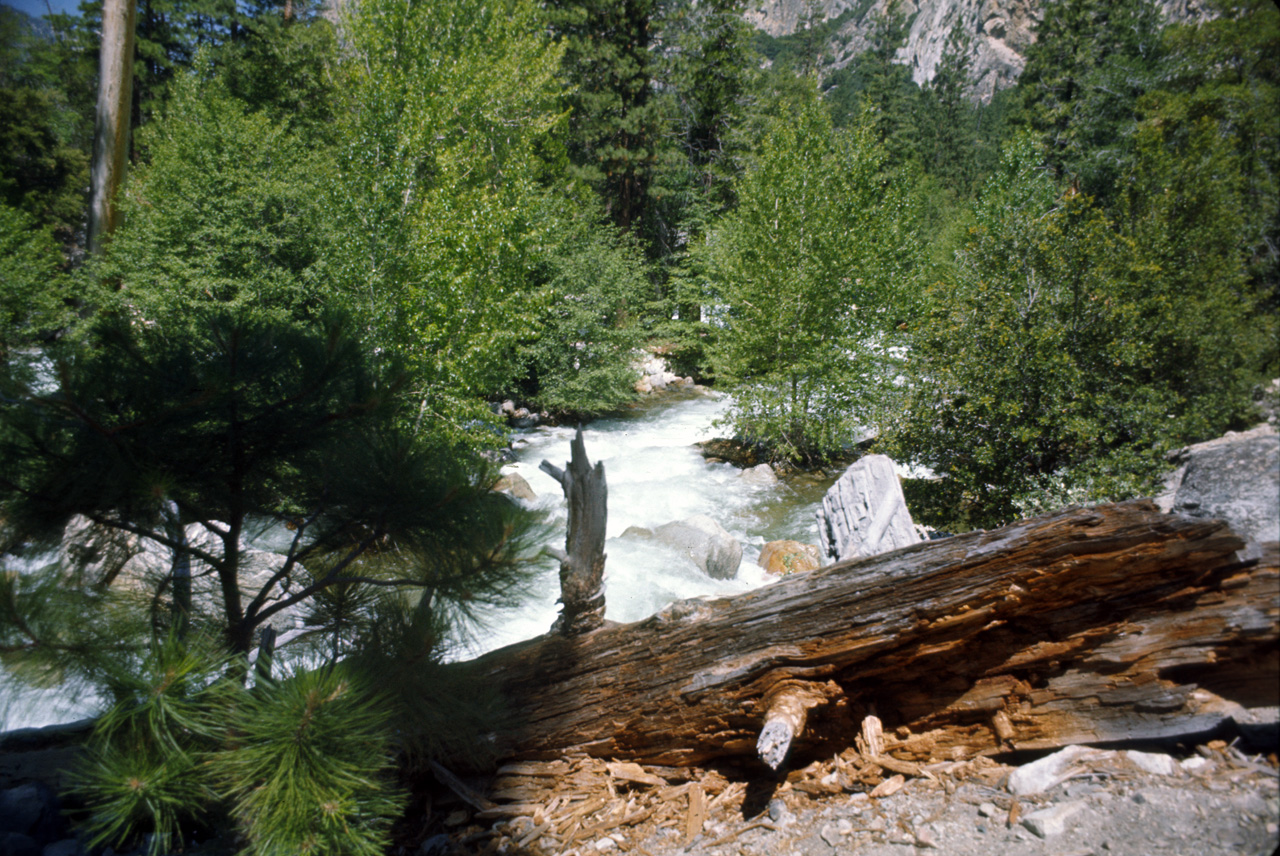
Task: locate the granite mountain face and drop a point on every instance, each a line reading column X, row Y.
column 999, row 31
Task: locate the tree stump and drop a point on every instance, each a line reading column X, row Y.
column 582, row 560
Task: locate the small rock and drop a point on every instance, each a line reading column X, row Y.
column 925, row 838
column 1154, row 763
column 604, row 845
column 831, row 834
column 988, row 809
column 1051, row 821
column 17, row 844
column 436, row 845
column 23, row 808
column 876, row 825
column 844, row 827
column 1194, row 764
column 777, row 809
column 68, row 847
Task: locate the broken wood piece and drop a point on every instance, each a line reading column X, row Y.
column 889, row 786
column 629, row 772
column 453, row 783
column 697, row 813
column 873, row 735
column 786, row 711
column 582, row 560
column 1003, row 728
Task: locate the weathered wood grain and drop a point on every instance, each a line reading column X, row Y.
column 1089, row 624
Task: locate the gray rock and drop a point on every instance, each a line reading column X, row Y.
column 1235, row 478
column 1152, row 762
column 705, row 542
column 17, row 844
column 761, row 474
column 25, row 808
column 1052, row 821
column 830, row 833
column 864, row 513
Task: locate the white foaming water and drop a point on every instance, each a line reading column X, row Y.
column 655, row 475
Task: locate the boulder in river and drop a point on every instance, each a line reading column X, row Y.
column 717, row 553
column 864, row 513
column 514, row 484
column 781, row 558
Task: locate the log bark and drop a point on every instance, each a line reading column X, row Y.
column 1109, row 623
column 582, row 560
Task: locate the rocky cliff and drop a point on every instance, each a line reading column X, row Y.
column 999, row 31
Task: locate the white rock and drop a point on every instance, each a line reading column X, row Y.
column 988, row 809
column 604, row 845
column 1153, row 762
column 1053, row 820
column 1195, row 762
column 761, row 474
column 1051, row 770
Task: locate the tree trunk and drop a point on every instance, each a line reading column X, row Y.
column 582, row 561
column 111, row 128
column 1108, row 623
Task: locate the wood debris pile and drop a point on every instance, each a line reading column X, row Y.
column 582, row 805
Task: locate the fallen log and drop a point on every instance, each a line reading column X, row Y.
column 1107, row 623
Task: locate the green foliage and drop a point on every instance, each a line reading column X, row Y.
column 1071, row 350
column 44, row 164
column 145, row 766
column 1090, row 61
column 615, row 126
column 306, row 767
column 284, row 67
column 226, row 210
column 448, row 107
column 579, row 360
column 31, row 287
column 811, row 268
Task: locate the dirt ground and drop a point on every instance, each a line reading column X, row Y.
column 1213, row 799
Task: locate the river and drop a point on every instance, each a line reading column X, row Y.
column 655, row 475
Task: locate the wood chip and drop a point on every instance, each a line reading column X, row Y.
column 889, row 787
column 893, row 765
column 629, row 772
column 697, row 813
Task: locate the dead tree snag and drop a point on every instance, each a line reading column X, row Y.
column 582, row 560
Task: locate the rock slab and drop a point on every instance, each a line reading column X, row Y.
column 864, row 513
column 1234, row 478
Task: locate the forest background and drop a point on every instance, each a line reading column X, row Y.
column 344, row 235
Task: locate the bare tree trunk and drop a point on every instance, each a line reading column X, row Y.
column 111, row 129
column 582, row 561
column 1109, row 623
